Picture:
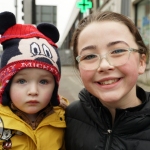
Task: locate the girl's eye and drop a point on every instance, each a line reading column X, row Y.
column 119, row 51
column 43, row 81
column 21, row 81
column 88, row 57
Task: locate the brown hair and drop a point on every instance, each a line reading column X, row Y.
column 108, row 16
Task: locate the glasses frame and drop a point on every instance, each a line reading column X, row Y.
column 78, row 58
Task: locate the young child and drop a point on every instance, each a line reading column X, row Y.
column 29, row 77
column 112, row 113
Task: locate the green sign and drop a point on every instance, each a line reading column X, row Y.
column 84, row 5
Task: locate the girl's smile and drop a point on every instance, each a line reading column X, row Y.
column 108, row 81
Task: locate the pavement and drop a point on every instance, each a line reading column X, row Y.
column 70, row 83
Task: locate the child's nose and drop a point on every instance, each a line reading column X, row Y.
column 33, row 89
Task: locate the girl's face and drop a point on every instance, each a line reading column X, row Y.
column 31, row 90
column 114, row 86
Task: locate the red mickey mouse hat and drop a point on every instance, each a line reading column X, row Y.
column 26, row 46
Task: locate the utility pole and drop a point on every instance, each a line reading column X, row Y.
column 29, row 9
column 16, row 7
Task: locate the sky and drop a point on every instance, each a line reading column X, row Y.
column 67, row 12
column 7, row 5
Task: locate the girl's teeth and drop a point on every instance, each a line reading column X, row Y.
column 108, row 82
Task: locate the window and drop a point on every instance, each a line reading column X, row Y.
column 46, row 14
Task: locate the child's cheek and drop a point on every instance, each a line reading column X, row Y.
column 47, row 96
column 16, row 96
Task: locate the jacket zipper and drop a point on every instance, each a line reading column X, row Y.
column 108, row 139
column 109, row 133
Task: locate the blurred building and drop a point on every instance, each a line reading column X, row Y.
column 137, row 10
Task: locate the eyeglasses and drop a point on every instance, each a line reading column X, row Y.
column 115, row 57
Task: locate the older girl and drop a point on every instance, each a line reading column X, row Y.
column 112, row 113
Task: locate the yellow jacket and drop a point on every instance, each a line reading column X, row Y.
column 49, row 135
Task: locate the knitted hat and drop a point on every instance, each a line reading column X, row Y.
column 26, row 46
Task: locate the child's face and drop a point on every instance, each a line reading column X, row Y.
column 112, row 85
column 31, row 89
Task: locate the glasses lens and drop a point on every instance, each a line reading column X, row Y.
column 118, row 57
column 89, row 61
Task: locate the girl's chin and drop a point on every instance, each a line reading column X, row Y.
column 109, row 98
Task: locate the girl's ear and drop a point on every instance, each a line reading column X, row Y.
column 142, row 64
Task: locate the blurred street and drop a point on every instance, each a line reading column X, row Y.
column 70, row 83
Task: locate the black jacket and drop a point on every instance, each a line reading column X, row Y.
column 89, row 125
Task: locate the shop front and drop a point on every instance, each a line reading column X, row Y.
column 143, row 20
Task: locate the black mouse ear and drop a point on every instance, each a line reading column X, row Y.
column 49, row 30
column 7, row 19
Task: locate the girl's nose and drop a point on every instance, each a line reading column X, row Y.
column 104, row 65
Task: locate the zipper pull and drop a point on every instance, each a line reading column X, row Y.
column 109, row 131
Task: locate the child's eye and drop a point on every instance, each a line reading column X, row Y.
column 21, row 81
column 43, row 81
